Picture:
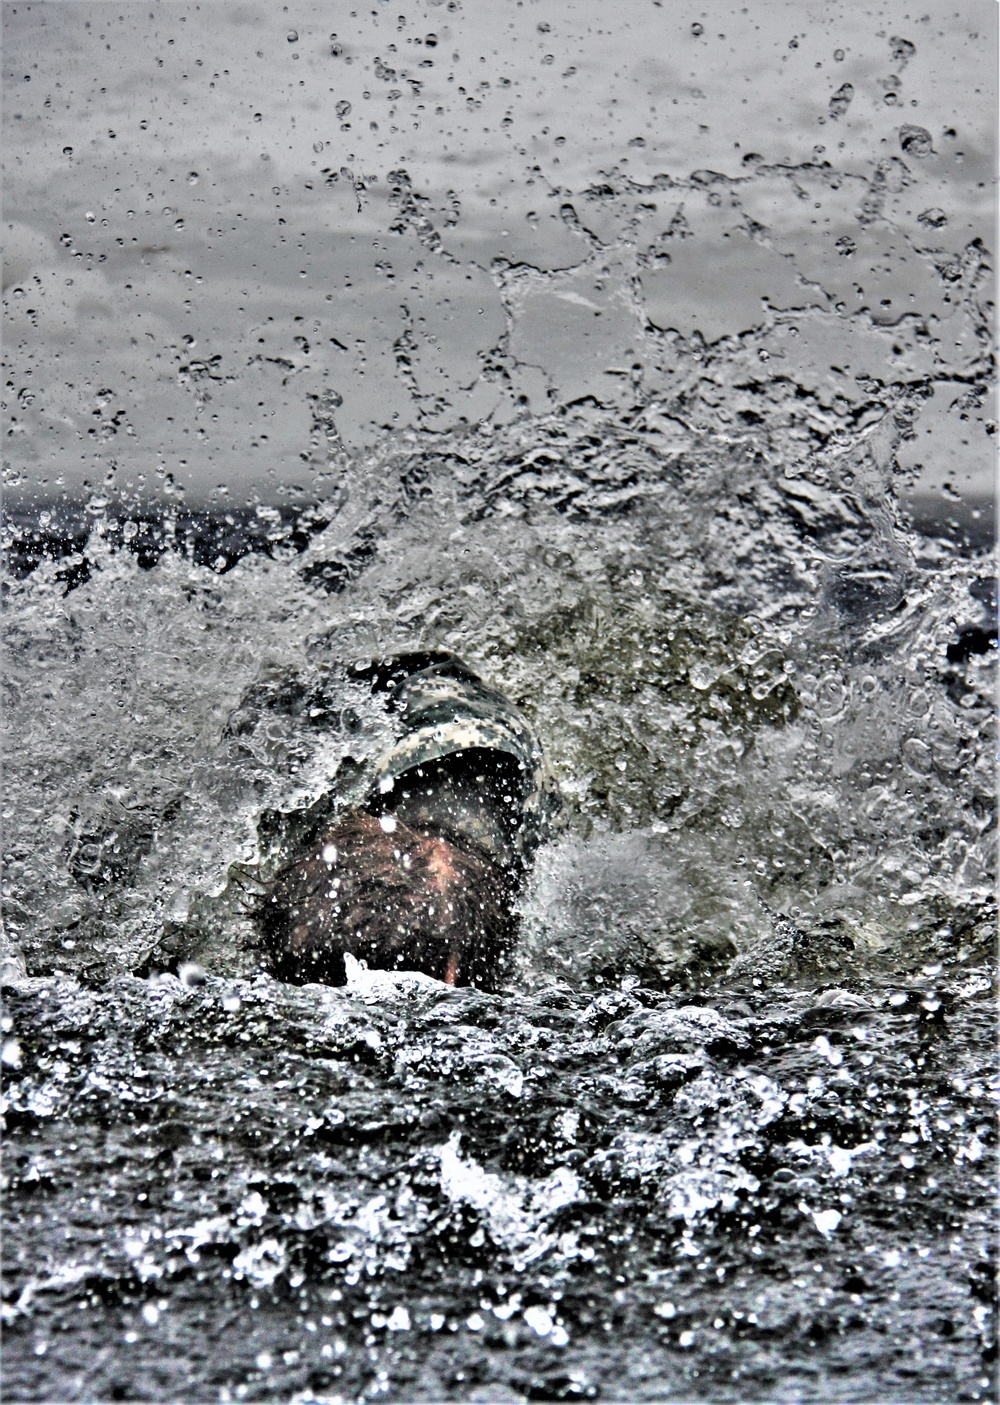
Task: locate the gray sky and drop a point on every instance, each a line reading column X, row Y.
column 187, row 182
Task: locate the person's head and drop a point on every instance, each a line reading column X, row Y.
column 396, row 897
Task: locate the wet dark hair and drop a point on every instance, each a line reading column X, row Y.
column 399, row 900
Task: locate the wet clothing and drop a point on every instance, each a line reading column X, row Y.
column 491, row 763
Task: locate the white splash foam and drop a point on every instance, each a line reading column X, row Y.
column 515, row 1207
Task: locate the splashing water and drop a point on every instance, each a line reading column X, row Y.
column 751, row 688
column 727, row 1131
column 773, row 744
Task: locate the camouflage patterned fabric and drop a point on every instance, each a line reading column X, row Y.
column 445, row 709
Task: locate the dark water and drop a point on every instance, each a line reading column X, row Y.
column 682, row 440
column 252, row 1192
column 726, row 1136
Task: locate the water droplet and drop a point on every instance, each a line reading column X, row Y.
column 192, row 177
column 317, row 147
column 67, row 151
column 933, row 218
column 343, row 109
column 838, row 56
column 292, row 36
column 902, row 51
column 916, row 141
column 917, row 755
column 90, row 217
column 191, row 974
column 697, row 30
column 826, row 1221
column 538, row 1320
column 841, row 100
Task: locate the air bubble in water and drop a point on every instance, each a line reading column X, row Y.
column 343, row 109
column 292, row 36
